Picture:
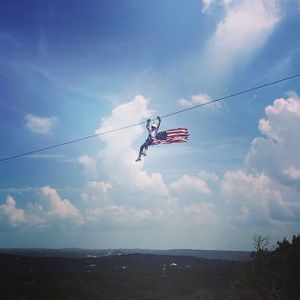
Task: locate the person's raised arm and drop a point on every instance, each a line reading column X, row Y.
column 148, row 124
column 159, row 121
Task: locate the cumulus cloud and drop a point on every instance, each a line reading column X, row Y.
column 209, row 176
column 292, row 173
column 122, row 198
column 16, row 216
column 90, row 165
column 260, row 199
column 55, row 212
column 130, row 193
column 60, row 208
column 40, row 125
column 96, row 192
column 255, row 196
column 270, row 185
column 112, row 196
column 202, row 214
column 123, row 195
column 100, row 186
column 190, row 183
column 206, row 4
column 119, row 214
column 32, row 215
column 118, row 156
column 264, row 194
column 200, row 99
column 246, row 26
column 275, row 153
column 282, row 111
column 248, row 194
column 248, row 185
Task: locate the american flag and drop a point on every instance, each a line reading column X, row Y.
column 178, row 135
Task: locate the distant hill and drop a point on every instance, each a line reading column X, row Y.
column 80, row 253
column 210, row 254
column 115, row 277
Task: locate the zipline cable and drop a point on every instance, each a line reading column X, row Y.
column 164, row 116
column 233, row 95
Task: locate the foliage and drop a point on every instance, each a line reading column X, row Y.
column 271, row 274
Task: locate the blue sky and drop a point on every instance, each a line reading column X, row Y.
column 68, row 71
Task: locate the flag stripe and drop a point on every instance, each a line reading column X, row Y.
column 178, row 135
column 172, row 131
column 177, row 129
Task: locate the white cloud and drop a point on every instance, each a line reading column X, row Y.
column 129, row 193
column 123, row 196
column 96, row 193
column 90, row 165
column 202, row 214
column 119, row 215
column 209, row 176
column 206, row 5
column 16, row 216
column 258, row 199
column 282, row 111
column 246, row 26
column 276, row 152
column 60, row 208
column 116, row 199
column 265, row 196
column 200, row 99
column 118, row 156
column 247, row 185
column 292, row 173
column 40, row 125
column 54, row 213
column 190, row 183
column 123, row 115
column 100, row 186
column 248, row 197
column 273, row 162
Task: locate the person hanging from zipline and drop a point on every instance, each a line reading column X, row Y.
column 152, row 132
column 177, row 135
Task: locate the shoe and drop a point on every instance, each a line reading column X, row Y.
column 138, row 159
column 144, row 153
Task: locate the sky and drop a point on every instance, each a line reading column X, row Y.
column 69, row 70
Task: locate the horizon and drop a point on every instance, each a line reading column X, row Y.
column 101, row 249
column 70, row 71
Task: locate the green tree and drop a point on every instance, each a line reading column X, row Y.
column 272, row 274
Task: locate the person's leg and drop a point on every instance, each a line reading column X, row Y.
column 144, row 147
column 141, row 151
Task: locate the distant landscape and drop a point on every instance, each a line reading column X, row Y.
column 80, row 253
column 118, row 274
column 138, row 274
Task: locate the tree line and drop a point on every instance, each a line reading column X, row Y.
column 271, row 274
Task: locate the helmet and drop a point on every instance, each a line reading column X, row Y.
column 154, row 125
